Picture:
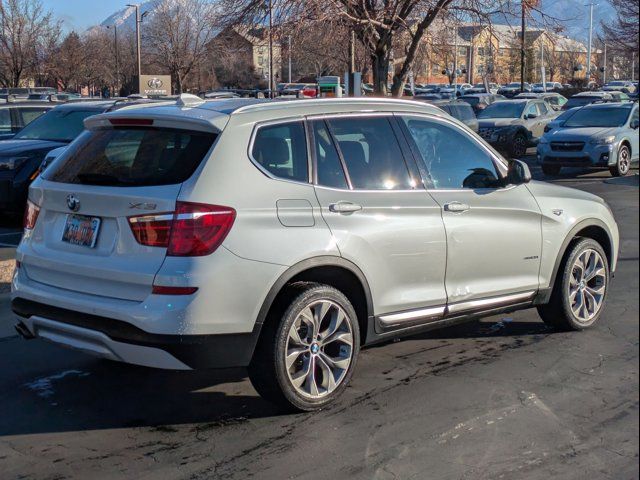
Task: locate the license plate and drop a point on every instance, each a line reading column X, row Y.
column 81, row 230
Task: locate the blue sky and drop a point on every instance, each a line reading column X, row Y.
column 81, row 14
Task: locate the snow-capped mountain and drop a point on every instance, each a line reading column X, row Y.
column 126, row 17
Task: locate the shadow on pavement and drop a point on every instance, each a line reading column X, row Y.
column 92, row 394
column 629, row 181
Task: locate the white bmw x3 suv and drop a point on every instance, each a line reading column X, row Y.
column 283, row 236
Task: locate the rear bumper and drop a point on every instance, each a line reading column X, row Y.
column 121, row 341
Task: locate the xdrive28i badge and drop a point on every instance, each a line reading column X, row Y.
column 73, row 202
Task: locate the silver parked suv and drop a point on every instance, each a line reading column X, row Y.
column 283, row 236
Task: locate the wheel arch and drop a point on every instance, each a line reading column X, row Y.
column 591, row 228
column 334, row 271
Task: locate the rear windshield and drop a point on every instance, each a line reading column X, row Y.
column 57, row 125
column 580, row 101
column 132, row 157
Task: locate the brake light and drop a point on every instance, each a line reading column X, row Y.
column 193, row 230
column 131, row 122
column 199, row 229
column 30, row 215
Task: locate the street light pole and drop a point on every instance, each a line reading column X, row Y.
column 604, row 73
column 270, row 49
column 289, row 58
column 138, row 21
column 115, row 46
column 522, row 32
column 588, row 76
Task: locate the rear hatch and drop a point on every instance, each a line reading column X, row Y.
column 91, row 196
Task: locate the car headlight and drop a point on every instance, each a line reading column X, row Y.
column 603, row 140
column 12, row 163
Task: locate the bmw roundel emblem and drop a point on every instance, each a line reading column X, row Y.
column 73, row 202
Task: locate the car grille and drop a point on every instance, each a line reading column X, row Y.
column 567, row 146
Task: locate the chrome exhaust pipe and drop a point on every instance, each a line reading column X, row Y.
column 23, row 331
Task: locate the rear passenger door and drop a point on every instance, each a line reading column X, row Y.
column 380, row 215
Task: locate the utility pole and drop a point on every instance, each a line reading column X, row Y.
column 270, row 49
column 522, row 33
column 543, row 76
column 138, row 21
column 588, row 76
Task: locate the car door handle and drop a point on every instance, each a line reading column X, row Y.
column 456, row 207
column 344, row 207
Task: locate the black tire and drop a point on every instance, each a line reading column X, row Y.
column 519, row 146
column 558, row 312
column 268, row 372
column 549, row 169
column 623, row 165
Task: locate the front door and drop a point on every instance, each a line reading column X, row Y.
column 380, row 215
column 494, row 237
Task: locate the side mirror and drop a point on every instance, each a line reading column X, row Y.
column 530, row 116
column 634, row 124
column 518, row 173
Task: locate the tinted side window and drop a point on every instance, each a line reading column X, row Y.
column 30, row 114
column 531, row 110
column 282, row 151
column 466, row 113
column 452, row 159
column 328, row 165
column 542, row 108
column 371, row 153
column 5, row 120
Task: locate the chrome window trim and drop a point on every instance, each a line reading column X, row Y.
column 280, row 121
column 368, row 114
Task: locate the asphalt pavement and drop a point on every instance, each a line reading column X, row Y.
column 502, row 398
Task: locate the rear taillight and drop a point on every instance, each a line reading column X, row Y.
column 30, row 215
column 152, row 230
column 193, row 230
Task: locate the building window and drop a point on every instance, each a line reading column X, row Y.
column 481, row 51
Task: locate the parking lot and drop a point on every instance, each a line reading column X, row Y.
column 502, row 398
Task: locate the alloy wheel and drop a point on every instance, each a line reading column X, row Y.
column 319, row 349
column 587, row 286
column 519, row 146
column 623, row 161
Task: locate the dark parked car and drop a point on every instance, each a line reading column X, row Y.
column 480, row 101
column 14, row 116
column 585, row 98
column 512, row 89
column 21, row 156
column 512, row 126
column 459, row 110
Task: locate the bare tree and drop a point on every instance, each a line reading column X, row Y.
column 623, row 31
column 178, row 33
column 24, row 27
column 378, row 24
